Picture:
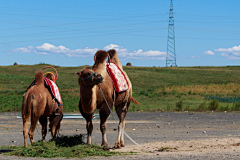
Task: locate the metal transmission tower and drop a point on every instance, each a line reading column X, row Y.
column 171, row 54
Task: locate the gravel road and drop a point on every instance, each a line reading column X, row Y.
column 188, row 135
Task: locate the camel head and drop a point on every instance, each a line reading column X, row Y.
column 88, row 77
column 50, row 76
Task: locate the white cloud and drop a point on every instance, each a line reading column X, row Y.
column 122, row 52
column 209, row 53
column 230, row 56
column 232, row 53
column 47, row 48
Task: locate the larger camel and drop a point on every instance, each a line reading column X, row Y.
column 91, row 97
column 38, row 104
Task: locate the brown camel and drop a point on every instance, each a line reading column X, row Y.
column 38, row 104
column 91, row 98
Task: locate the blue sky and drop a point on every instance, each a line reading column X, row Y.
column 68, row 33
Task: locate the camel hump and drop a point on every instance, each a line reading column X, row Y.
column 135, row 101
column 39, row 78
column 114, row 58
column 101, row 56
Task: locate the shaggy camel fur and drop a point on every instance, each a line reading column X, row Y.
column 38, row 105
column 91, row 98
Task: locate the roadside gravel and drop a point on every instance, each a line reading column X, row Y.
column 186, row 135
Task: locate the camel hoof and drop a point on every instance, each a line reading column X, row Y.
column 122, row 144
column 105, row 148
column 51, row 140
column 117, row 145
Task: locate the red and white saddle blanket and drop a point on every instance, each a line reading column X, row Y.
column 119, row 80
column 53, row 88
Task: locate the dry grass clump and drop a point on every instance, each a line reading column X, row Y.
column 229, row 89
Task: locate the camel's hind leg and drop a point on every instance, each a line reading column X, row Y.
column 43, row 121
column 25, row 128
column 89, row 125
column 34, row 121
column 121, row 112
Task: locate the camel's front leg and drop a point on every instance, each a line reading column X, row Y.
column 55, row 124
column 89, row 125
column 104, row 113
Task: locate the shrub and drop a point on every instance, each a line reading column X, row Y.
column 168, row 108
column 224, row 108
column 202, row 107
column 187, row 108
column 179, row 106
column 237, row 106
column 213, row 105
column 164, row 88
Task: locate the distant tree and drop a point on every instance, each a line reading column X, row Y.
column 15, row 63
column 128, row 64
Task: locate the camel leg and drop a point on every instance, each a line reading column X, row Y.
column 89, row 125
column 121, row 112
column 25, row 128
column 58, row 123
column 34, row 121
column 104, row 113
column 55, row 122
column 59, row 119
column 43, row 121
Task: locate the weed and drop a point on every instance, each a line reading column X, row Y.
column 213, row 105
column 179, row 106
column 187, row 108
column 237, row 106
column 168, row 108
column 202, row 107
column 133, row 108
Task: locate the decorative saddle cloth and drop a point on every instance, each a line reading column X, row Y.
column 53, row 89
column 119, row 80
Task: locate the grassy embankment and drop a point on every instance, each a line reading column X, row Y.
column 172, row 88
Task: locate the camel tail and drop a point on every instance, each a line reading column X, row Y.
column 26, row 105
column 135, row 101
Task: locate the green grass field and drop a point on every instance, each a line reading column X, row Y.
column 156, row 88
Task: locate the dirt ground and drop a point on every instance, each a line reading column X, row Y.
column 167, row 135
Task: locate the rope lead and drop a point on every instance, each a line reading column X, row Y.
column 119, row 125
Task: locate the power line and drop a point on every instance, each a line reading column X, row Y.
column 103, row 34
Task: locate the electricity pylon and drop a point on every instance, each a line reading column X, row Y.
column 171, row 53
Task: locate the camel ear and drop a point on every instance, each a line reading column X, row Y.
column 78, row 74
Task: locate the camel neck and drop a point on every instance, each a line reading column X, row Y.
column 99, row 66
column 88, row 98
